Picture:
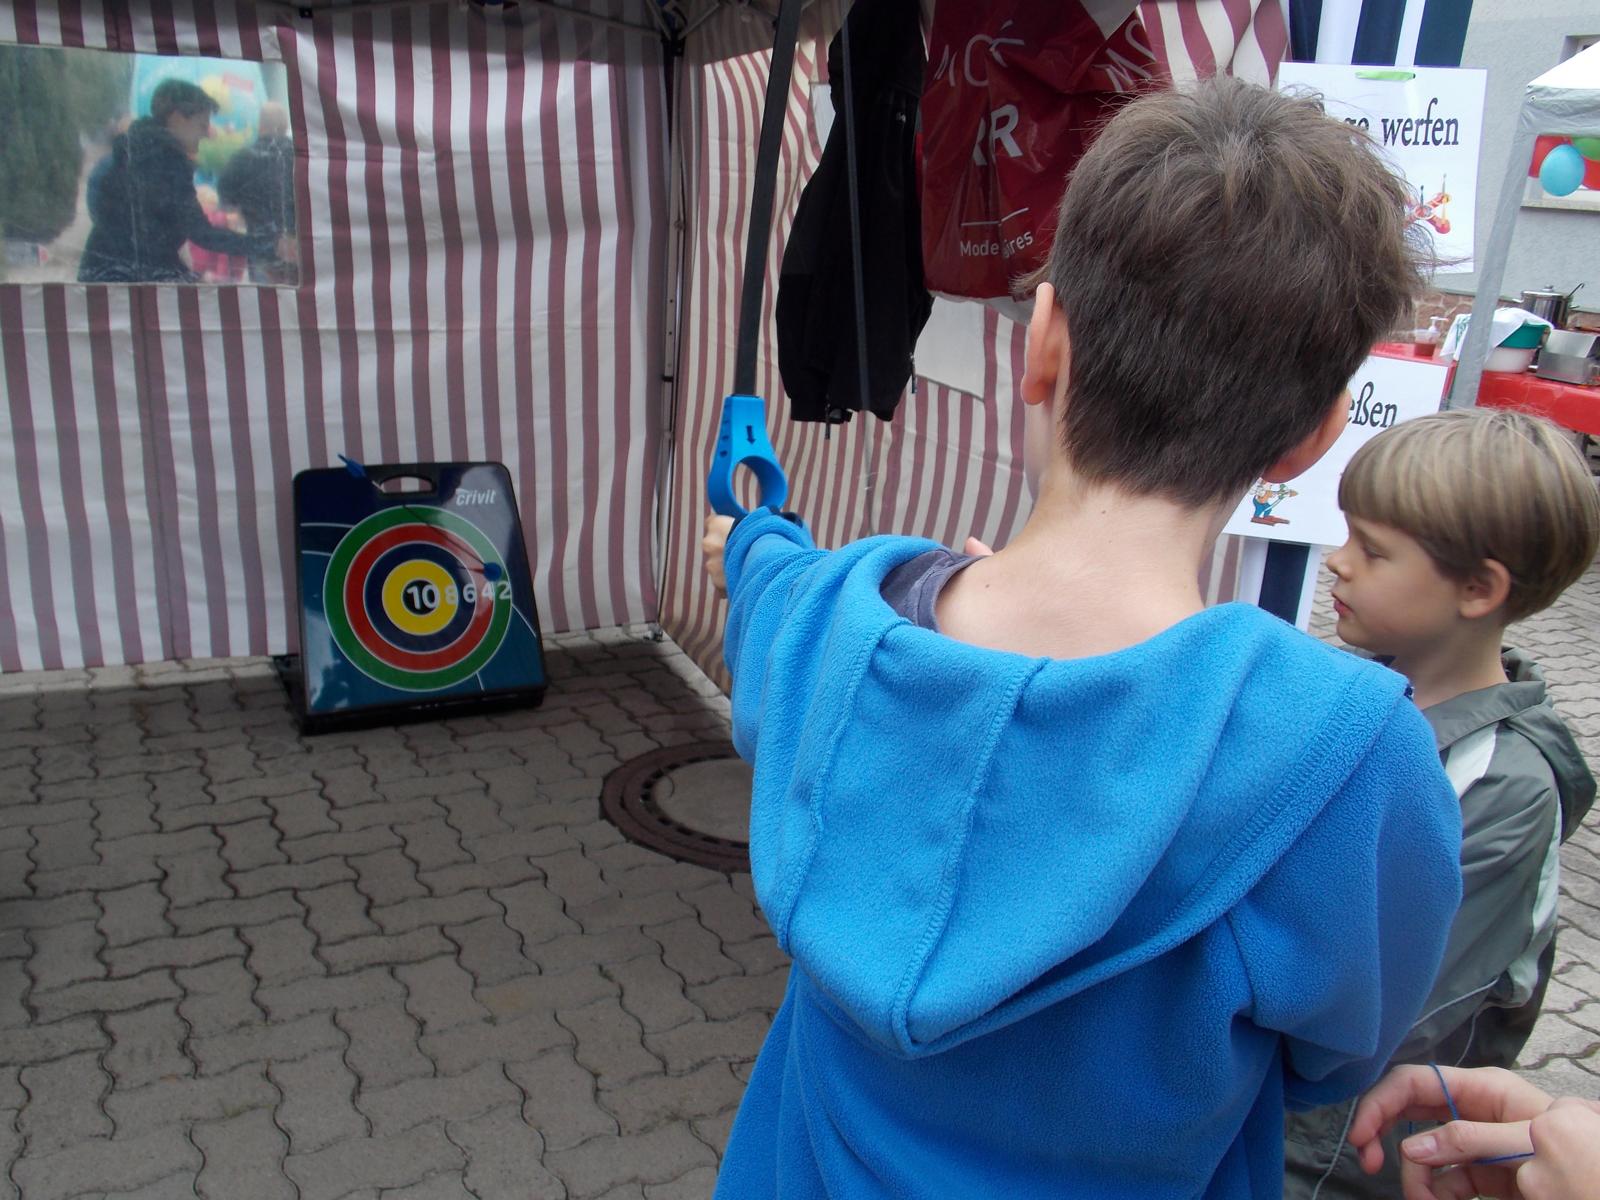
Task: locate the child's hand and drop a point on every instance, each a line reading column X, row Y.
column 712, row 545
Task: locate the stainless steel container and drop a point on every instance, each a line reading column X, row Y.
column 1553, row 306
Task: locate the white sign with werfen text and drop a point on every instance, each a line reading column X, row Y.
column 1384, row 392
column 1429, row 122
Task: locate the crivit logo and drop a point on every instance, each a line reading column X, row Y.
column 466, row 496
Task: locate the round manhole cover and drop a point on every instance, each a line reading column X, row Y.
column 689, row 802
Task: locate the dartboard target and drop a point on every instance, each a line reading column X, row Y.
column 417, row 598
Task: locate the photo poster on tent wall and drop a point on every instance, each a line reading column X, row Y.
column 1429, row 122
column 1305, row 510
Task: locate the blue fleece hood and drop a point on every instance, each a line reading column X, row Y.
column 951, row 841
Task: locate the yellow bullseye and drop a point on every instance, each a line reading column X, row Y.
column 420, row 597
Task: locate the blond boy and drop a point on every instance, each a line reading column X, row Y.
column 1460, row 524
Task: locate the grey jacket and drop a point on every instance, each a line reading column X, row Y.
column 1524, row 788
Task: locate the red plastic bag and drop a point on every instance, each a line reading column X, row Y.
column 1014, row 94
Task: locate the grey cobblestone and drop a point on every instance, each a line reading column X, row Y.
column 383, row 1045
column 63, row 1107
column 503, row 1041
column 337, row 912
column 66, row 844
column 479, row 875
column 415, row 946
column 660, row 1156
column 99, row 1165
column 243, row 1157
column 147, row 1045
column 727, row 914
column 647, row 1103
column 302, row 876
column 446, row 1185
column 389, row 1162
column 318, row 1107
column 281, row 952
column 387, row 877
column 653, row 994
column 735, row 994
column 176, row 819
column 133, row 914
column 450, row 1098
column 64, row 954
column 184, row 951
column 504, row 1157
column 340, row 844
column 609, row 1042
column 302, row 813
column 696, row 1185
column 689, row 1046
column 235, row 913
column 439, row 994
column 110, row 995
column 489, row 950
column 249, row 844
column 547, row 993
column 291, row 1040
column 559, row 1100
column 330, row 993
column 575, row 878
column 14, row 985
column 535, row 912
column 692, row 950
column 217, row 997
column 434, row 912
column 194, row 878
column 42, row 1043
column 432, row 844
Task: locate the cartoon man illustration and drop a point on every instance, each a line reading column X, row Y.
column 1267, row 497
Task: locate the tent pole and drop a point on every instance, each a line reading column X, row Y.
column 1492, row 271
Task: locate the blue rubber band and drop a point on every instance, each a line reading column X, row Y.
column 1455, row 1115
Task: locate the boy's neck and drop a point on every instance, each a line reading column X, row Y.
column 1095, row 569
column 1468, row 661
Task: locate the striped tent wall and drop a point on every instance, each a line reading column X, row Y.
column 483, row 240
column 950, row 463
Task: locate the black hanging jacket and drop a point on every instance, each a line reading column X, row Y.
column 816, row 290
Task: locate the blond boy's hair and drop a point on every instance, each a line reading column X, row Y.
column 1476, row 484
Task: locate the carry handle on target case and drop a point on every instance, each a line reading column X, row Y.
column 415, row 601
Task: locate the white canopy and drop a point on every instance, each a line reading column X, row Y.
column 1565, row 100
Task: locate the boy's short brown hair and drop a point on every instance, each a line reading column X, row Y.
column 181, row 97
column 1226, row 257
column 1473, row 484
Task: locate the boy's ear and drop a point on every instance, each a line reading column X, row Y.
column 1485, row 590
column 1302, row 457
column 1045, row 357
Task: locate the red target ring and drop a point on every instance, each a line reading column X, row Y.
column 361, row 623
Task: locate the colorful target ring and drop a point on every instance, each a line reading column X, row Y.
column 410, row 602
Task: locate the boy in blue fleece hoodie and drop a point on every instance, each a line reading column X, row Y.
column 1083, row 882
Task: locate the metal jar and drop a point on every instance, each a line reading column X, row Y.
column 1553, row 306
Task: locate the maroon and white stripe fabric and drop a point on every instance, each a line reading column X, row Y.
column 483, row 249
column 1197, row 39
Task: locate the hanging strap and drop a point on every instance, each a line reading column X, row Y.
column 742, row 438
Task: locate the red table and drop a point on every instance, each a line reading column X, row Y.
column 1567, row 404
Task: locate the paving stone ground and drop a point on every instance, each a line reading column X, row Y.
column 415, row 962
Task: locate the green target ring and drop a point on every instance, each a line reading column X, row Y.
column 477, row 599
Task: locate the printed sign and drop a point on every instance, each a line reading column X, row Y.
column 1384, row 392
column 1429, row 121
